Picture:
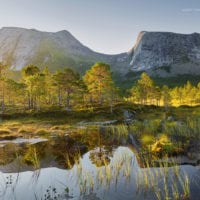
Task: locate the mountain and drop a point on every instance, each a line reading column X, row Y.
column 166, row 54
column 161, row 54
column 20, row 47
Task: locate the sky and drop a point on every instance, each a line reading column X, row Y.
column 106, row 26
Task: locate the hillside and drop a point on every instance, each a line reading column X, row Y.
column 19, row 47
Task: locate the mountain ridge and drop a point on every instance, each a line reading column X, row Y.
column 161, row 54
column 20, row 46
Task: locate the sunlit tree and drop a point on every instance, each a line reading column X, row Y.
column 67, row 83
column 34, row 81
column 99, row 82
column 146, row 88
column 166, row 96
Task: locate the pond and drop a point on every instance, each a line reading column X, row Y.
column 94, row 166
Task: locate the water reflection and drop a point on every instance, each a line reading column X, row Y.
column 100, row 156
column 62, row 151
column 90, row 165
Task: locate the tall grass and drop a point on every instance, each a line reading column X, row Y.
column 163, row 182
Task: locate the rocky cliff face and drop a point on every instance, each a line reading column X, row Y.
column 163, row 50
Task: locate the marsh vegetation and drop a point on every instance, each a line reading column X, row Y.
column 151, row 155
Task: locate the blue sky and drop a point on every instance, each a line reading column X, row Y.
column 108, row 26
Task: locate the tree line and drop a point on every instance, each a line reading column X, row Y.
column 39, row 89
column 146, row 92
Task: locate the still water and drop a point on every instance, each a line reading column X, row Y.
column 89, row 166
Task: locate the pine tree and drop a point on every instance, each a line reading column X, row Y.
column 146, row 87
column 67, row 83
column 99, row 83
column 166, row 96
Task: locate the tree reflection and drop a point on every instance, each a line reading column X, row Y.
column 62, row 151
column 68, row 151
column 99, row 157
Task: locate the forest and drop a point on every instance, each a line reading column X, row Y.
column 66, row 90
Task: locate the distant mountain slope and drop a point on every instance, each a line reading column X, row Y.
column 19, row 47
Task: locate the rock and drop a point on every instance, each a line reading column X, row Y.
column 166, row 53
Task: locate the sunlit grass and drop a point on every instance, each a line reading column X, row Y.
column 5, row 131
column 31, row 157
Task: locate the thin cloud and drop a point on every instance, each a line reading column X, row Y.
column 190, row 10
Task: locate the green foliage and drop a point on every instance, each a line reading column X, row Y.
column 166, row 96
column 97, row 79
column 67, row 82
column 177, row 80
column 100, row 85
column 146, row 92
column 30, row 70
column 65, row 89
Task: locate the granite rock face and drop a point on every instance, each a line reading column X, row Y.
column 154, row 50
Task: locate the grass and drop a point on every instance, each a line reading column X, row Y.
column 160, row 134
column 180, row 125
column 8, row 134
column 58, row 117
column 42, row 132
column 5, row 131
column 26, row 129
column 31, row 157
